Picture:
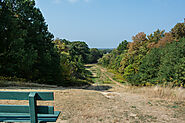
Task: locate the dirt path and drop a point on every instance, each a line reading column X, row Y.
column 104, row 71
column 109, row 103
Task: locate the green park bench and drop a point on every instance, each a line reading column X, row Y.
column 27, row 113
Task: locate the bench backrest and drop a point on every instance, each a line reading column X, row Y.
column 11, row 95
column 32, row 108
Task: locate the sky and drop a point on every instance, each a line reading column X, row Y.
column 105, row 23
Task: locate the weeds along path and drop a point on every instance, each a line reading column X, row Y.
column 98, row 76
column 101, row 75
column 105, row 72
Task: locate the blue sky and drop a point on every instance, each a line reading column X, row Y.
column 105, row 23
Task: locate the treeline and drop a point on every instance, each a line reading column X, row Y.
column 73, row 56
column 26, row 48
column 158, row 58
column 28, row 51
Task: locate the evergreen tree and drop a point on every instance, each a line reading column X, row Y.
column 26, row 43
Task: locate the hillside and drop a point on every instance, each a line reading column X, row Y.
column 106, row 101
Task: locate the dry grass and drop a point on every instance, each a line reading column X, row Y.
column 10, row 84
column 167, row 93
column 112, row 103
column 162, row 92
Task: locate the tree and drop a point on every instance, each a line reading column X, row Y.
column 71, row 63
column 148, row 70
column 138, row 41
column 136, row 52
column 79, row 49
column 168, row 38
column 156, row 36
column 122, row 46
column 162, row 65
column 178, row 31
column 156, row 60
column 13, row 55
column 95, row 54
column 172, row 64
column 26, row 43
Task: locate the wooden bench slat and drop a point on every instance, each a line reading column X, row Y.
column 27, row 115
column 11, row 95
column 28, row 119
column 25, row 109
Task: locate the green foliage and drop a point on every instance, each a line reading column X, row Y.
column 27, row 51
column 105, row 51
column 136, row 52
column 161, row 65
column 79, row 49
column 156, row 59
column 178, row 31
column 72, row 58
column 109, row 60
column 156, row 36
column 26, row 48
column 122, row 46
column 148, row 70
column 172, row 63
column 95, row 54
column 104, row 61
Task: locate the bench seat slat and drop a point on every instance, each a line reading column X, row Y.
column 28, row 120
column 14, row 95
column 25, row 109
column 27, row 115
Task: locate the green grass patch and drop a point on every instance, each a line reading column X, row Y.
column 117, row 76
column 97, row 76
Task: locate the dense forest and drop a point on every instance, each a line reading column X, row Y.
column 158, row 58
column 28, row 50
